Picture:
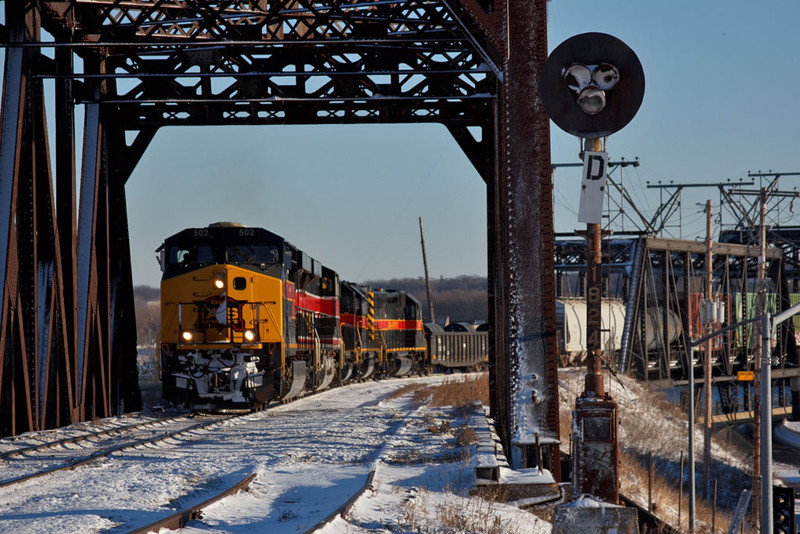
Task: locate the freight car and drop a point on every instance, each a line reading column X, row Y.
column 571, row 328
column 459, row 347
column 246, row 318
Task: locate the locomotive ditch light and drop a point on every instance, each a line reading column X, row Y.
column 249, row 335
column 187, row 335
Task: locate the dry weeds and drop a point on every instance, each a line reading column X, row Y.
column 469, row 515
column 650, row 423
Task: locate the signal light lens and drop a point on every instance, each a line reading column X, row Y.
column 605, row 76
column 577, row 76
column 187, row 335
column 592, row 100
column 249, row 335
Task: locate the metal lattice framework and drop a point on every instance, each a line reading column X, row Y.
column 133, row 66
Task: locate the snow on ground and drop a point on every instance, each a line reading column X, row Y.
column 310, row 456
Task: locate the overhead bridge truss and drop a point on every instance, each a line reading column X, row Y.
column 127, row 68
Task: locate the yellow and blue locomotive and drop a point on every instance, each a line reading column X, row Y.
column 246, row 318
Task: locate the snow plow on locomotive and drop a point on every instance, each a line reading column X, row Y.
column 247, row 318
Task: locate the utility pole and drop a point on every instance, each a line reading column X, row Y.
column 757, row 349
column 708, row 326
column 427, row 278
column 692, row 484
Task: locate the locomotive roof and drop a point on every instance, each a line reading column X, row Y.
column 226, row 230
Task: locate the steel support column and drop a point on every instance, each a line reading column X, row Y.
column 523, row 286
column 34, row 377
column 106, row 324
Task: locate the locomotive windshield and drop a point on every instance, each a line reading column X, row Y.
column 254, row 248
column 190, row 253
column 252, row 254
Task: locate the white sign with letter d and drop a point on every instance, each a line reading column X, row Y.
column 593, row 185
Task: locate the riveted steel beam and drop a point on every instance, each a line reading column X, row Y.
column 526, row 397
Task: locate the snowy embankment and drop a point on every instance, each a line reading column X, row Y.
column 650, row 425
column 309, row 456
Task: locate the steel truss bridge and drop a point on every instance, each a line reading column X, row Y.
column 663, row 280
column 130, row 67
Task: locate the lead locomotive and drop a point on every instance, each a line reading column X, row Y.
column 247, row 318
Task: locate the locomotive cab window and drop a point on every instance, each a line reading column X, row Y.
column 259, row 254
column 185, row 255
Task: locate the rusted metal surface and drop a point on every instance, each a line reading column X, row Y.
column 596, row 450
column 594, row 286
column 521, row 248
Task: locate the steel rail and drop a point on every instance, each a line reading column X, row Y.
column 179, row 519
column 83, row 437
column 106, row 452
column 346, row 505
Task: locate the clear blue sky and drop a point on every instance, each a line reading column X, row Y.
column 721, row 99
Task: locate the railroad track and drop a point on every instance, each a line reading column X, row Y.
column 341, row 440
column 37, row 441
column 36, row 460
column 393, row 443
column 179, row 519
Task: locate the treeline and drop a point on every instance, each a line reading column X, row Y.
column 461, row 299
column 148, row 314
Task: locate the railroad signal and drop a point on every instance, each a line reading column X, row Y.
column 592, row 85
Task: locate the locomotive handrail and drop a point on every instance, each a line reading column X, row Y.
column 317, row 351
column 384, row 347
column 358, row 343
column 269, row 311
column 315, row 335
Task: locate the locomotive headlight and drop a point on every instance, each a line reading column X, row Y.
column 219, row 282
column 249, row 335
column 187, row 335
